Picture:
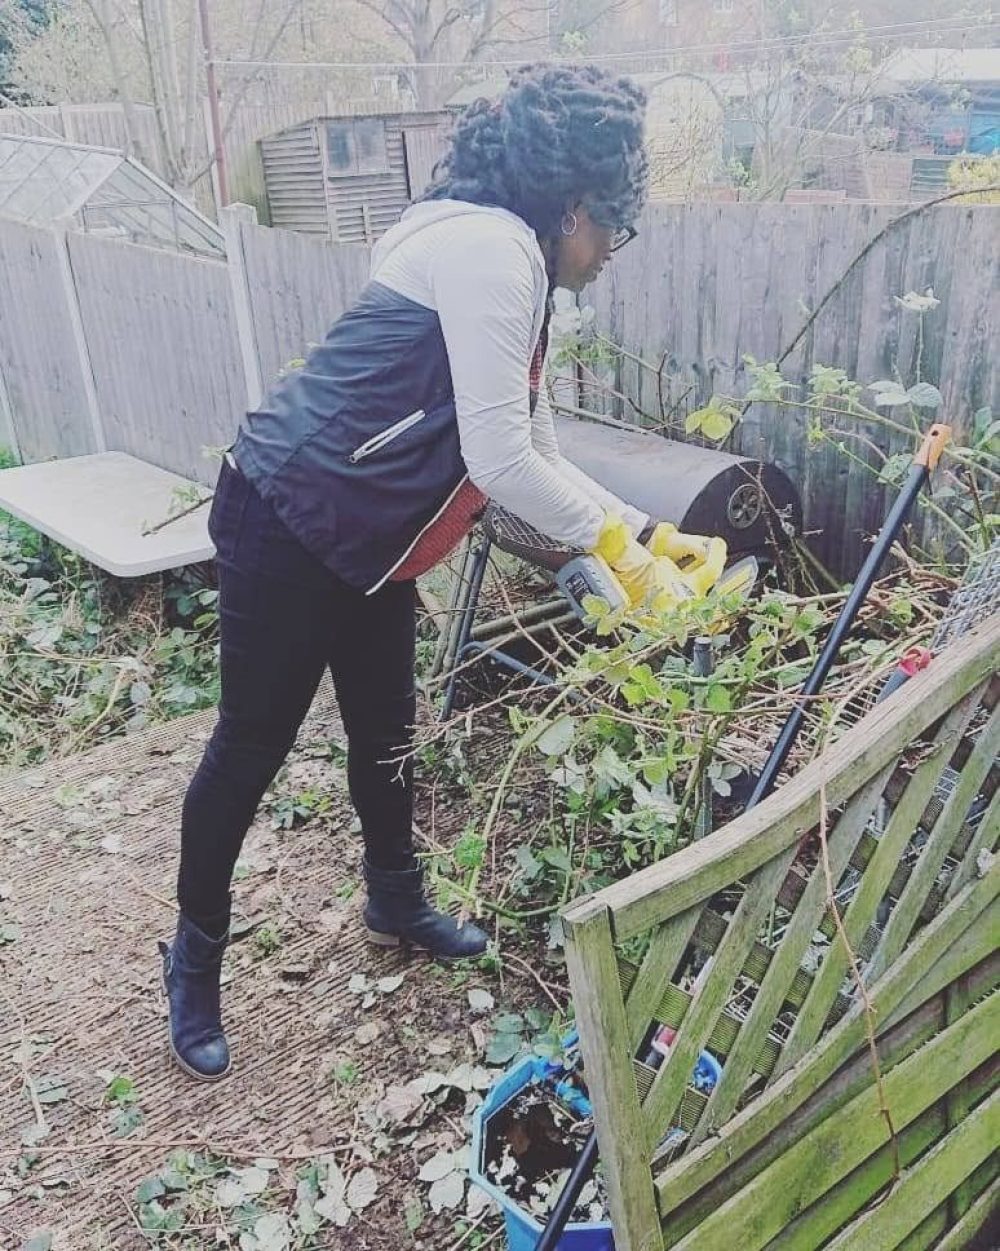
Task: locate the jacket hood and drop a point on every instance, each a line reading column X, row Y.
column 430, row 212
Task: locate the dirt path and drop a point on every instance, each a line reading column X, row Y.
column 87, row 864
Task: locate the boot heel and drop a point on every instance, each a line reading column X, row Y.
column 383, row 940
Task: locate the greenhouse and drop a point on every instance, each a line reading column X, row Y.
column 101, row 191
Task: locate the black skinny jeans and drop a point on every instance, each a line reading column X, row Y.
column 283, row 617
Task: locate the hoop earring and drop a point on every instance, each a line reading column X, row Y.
column 571, row 218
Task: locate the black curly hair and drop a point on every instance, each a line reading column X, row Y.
column 559, row 135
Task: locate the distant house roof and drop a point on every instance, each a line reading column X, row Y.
column 916, row 66
column 99, row 190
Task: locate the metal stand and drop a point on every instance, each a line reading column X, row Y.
column 704, row 667
column 468, row 614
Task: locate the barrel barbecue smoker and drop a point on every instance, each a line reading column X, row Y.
column 751, row 504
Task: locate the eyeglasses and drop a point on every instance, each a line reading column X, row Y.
column 623, row 236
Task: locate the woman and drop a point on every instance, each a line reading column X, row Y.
column 361, row 470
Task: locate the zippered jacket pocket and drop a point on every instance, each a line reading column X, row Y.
column 384, row 437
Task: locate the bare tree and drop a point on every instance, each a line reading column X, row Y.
column 439, row 36
column 139, row 51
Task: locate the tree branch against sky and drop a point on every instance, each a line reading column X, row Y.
column 149, row 51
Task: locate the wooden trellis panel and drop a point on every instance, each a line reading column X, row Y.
column 895, row 816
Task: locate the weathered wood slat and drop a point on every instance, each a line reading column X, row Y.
column 928, row 1183
column 973, row 1222
column 180, row 386
column 673, row 1007
column 664, row 953
column 792, row 888
column 932, row 856
column 985, row 838
column 842, row 1201
column 827, row 1154
column 692, row 1102
column 813, row 1131
column 774, row 989
column 708, row 934
column 47, row 390
column 974, row 948
column 934, row 959
column 710, row 1002
column 826, row 1101
column 692, row 875
column 927, row 1233
column 861, row 911
column 673, row 300
column 607, row 1056
column 834, row 1209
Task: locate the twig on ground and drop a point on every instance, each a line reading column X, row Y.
column 227, row 1151
column 29, row 1083
column 543, row 986
column 471, row 1230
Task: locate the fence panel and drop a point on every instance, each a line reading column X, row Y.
column 711, row 283
column 298, row 287
column 161, row 334
column 744, row 957
column 39, row 357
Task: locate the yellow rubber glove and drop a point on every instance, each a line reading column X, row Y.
column 652, row 581
column 707, row 555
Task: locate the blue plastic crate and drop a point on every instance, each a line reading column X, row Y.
column 523, row 1231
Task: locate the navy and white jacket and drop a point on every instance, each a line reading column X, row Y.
column 420, row 395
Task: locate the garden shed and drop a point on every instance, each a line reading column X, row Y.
column 101, row 191
column 347, row 179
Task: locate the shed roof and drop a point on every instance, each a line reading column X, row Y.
column 918, row 66
column 412, row 117
column 45, row 181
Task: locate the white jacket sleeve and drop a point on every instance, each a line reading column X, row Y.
column 484, row 296
column 543, row 436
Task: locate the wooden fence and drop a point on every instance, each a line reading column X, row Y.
column 707, row 284
column 791, row 1148
column 103, row 343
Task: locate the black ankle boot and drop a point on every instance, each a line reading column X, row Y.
column 192, row 966
column 398, row 913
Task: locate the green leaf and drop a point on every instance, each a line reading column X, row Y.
column 51, row 1090
column 896, row 467
column 717, row 698
column 502, row 1048
column 125, row 1119
column 527, row 862
column 692, row 421
column 309, row 1223
column 716, row 425
column 273, row 1232
column 150, row 1189
column 413, row 1212
column 557, row 857
column 508, row 1023
column 557, row 738
column 121, row 1089
column 891, row 399
column 923, row 395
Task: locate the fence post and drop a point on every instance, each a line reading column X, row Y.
column 65, row 263
column 232, row 218
column 8, row 427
